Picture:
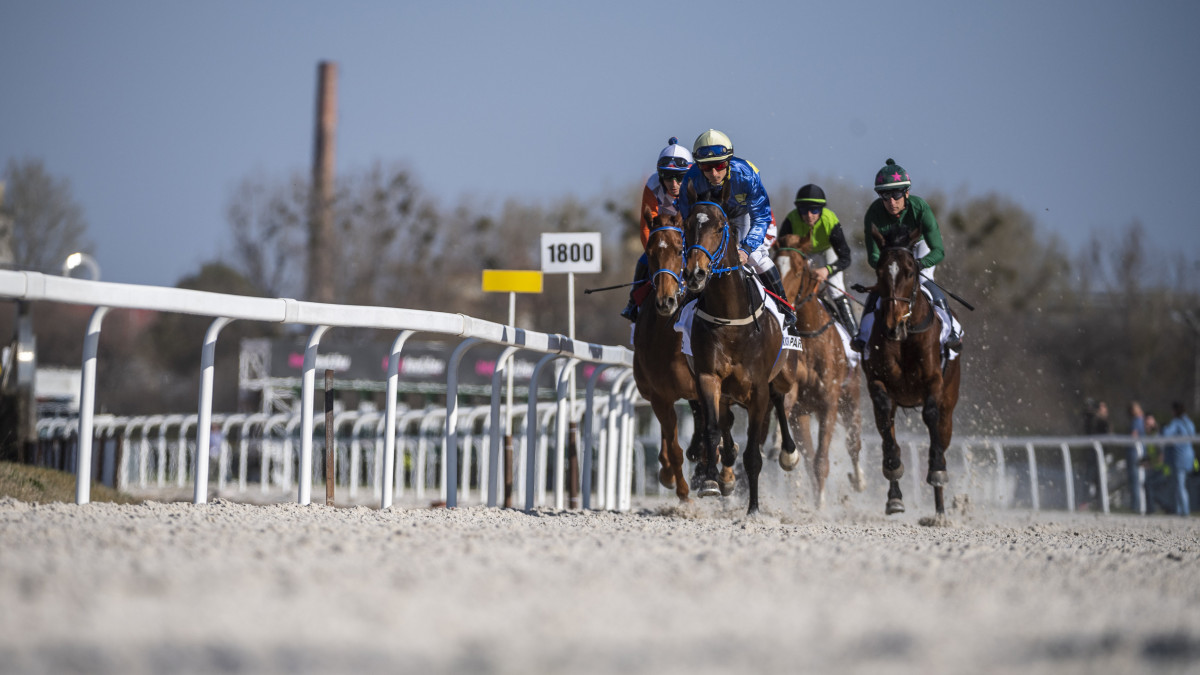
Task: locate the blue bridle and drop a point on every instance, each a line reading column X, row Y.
column 719, row 254
column 663, row 270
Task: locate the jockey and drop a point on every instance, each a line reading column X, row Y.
column 661, row 192
column 897, row 212
column 748, row 208
column 813, row 220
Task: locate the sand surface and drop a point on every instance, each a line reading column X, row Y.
column 236, row 588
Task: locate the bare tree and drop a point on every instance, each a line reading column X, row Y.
column 47, row 223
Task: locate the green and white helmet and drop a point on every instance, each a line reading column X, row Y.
column 712, row 146
column 892, row 177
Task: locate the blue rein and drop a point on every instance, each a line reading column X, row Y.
column 663, row 270
column 714, row 258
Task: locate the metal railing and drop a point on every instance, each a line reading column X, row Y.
column 35, row 287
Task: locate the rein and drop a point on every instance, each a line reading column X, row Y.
column 713, row 257
column 678, row 276
column 911, row 300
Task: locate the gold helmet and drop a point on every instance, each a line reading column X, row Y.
column 712, row 146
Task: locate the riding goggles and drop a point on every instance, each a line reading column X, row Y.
column 709, row 151
column 894, row 195
column 673, row 163
column 664, row 176
column 809, row 208
column 715, row 166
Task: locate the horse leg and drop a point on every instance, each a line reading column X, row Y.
column 670, row 456
column 895, row 502
column 695, row 446
column 937, row 476
column 788, row 456
column 893, row 466
column 752, row 461
column 729, row 450
column 709, row 388
column 821, row 461
column 852, row 421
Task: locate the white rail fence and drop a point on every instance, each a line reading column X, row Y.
column 563, row 352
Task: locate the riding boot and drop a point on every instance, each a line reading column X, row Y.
column 639, row 273
column 846, row 312
column 939, row 299
column 774, row 283
column 859, row 343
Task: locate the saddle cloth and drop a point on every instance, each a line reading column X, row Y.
column 688, row 313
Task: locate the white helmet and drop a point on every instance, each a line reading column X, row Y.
column 674, row 158
column 712, row 146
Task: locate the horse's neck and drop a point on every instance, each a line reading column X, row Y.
column 810, row 312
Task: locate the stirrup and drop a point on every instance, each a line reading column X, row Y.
column 857, row 345
column 954, row 342
column 630, row 312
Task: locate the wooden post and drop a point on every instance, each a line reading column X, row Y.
column 572, row 467
column 330, row 441
column 508, row 470
column 120, row 455
column 321, row 253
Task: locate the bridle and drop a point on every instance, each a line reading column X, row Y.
column 810, row 296
column 677, row 276
column 719, row 254
column 911, row 300
column 714, row 257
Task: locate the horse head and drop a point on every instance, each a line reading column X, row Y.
column 664, row 250
column 708, row 238
column 799, row 279
column 897, row 282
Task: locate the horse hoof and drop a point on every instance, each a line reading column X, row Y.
column 893, row 473
column 789, row 460
column 666, row 478
column 857, row 480
column 709, row 488
column 894, row 506
column 727, row 481
column 937, row 478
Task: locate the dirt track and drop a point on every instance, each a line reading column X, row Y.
column 235, row 588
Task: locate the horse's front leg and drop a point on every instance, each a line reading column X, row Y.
column 708, row 387
column 695, row 446
column 729, row 450
column 759, row 414
column 852, row 421
column 820, row 462
column 670, row 456
column 893, row 466
column 789, row 457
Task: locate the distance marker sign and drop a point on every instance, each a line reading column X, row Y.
column 564, row 252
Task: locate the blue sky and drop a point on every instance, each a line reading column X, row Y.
column 1084, row 113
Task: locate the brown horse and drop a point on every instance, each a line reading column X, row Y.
column 903, row 365
column 817, row 379
column 659, row 366
column 735, row 343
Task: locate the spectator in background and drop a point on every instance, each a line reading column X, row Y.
column 1158, row 476
column 1137, row 429
column 1180, row 457
column 1100, row 424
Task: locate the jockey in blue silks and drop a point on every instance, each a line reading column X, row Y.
column 748, row 208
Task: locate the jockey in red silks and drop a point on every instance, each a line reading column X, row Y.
column 661, row 193
column 748, row 208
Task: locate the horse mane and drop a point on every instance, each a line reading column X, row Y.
column 896, row 238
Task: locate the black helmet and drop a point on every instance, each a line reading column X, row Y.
column 810, row 195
